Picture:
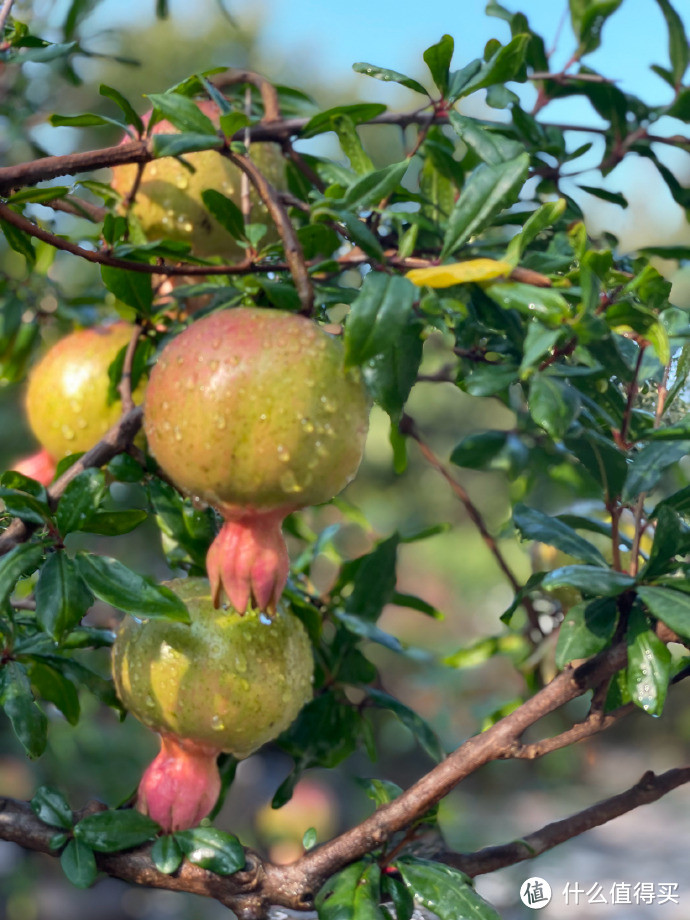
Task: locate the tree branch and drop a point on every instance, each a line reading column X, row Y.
column 117, row 440
column 649, row 788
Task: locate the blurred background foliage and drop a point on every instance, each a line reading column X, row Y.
column 452, row 570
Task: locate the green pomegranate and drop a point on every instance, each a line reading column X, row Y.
column 225, row 682
column 168, row 201
column 252, row 411
column 67, row 397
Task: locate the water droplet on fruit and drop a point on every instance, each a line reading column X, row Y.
column 166, row 405
column 220, row 422
column 75, row 405
column 213, row 365
column 82, row 423
column 244, row 684
column 240, row 662
column 265, row 619
column 67, row 433
column 307, row 425
column 180, row 359
column 215, row 343
column 178, row 433
column 217, row 724
column 283, row 454
column 288, row 482
column 182, row 181
column 263, row 417
column 308, row 382
column 328, row 404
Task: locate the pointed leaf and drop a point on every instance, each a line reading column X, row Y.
column 114, row 583
column 444, row 891
column 649, row 665
column 110, row 831
column 166, row 855
column 79, row 864
column 535, row 525
column 586, row 630
column 377, row 316
column 28, row 720
column 669, row 606
column 472, row 270
column 410, row 719
column 352, row 894
column 132, row 288
column 389, row 76
column 62, row 598
column 51, row 807
column 182, row 112
column 371, row 189
column 212, row 849
column 589, row 579
column 437, row 58
column 487, row 190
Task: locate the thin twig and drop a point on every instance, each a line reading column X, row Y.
column 650, row 788
column 125, row 385
column 114, row 442
column 594, row 723
column 408, row 427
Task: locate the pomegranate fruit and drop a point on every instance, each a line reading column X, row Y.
column 67, row 397
column 224, row 682
column 168, row 201
column 252, row 411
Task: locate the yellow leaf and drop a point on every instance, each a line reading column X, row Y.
column 441, row 276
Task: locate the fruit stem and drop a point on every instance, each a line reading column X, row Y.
column 249, row 559
column 180, row 787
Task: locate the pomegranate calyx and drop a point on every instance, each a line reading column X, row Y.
column 249, row 560
column 181, row 785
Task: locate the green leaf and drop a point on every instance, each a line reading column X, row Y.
column 20, row 241
column 40, row 55
column 225, row 212
column 671, row 539
column 212, row 849
column 62, row 598
column 358, row 113
column 505, row 64
column 437, row 58
column 391, row 374
column 553, row 404
column 444, row 891
column 530, row 300
column 49, row 684
column 182, row 112
column 411, row 720
column 678, row 50
column 374, row 582
column 129, row 112
column 606, row 195
column 80, row 499
column 132, row 288
column 166, row 855
column 538, row 341
column 175, row 145
column 38, row 195
column 352, row 894
column 399, row 894
column 369, row 630
column 380, row 791
column 51, row 807
column 28, row 720
column 325, row 732
column 601, row 458
column 377, row 316
column 588, row 18
column 24, row 506
column 490, row 147
column 22, row 560
column 87, row 120
column 110, row 831
column 669, row 606
column 309, row 838
column 544, row 216
column 114, row 523
column 589, row 579
column 649, row 665
column 679, row 431
column 374, row 187
column 649, row 464
column 79, row 864
column 587, row 629
column 114, row 583
column 389, row 76
column 476, row 451
column 535, row 525
column 486, row 192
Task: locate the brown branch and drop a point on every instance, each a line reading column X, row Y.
column 650, row 788
column 408, row 427
column 125, row 385
column 594, row 723
column 269, row 96
column 117, row 440
column 293, row 250
column 312, row 869
column 70, row 204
